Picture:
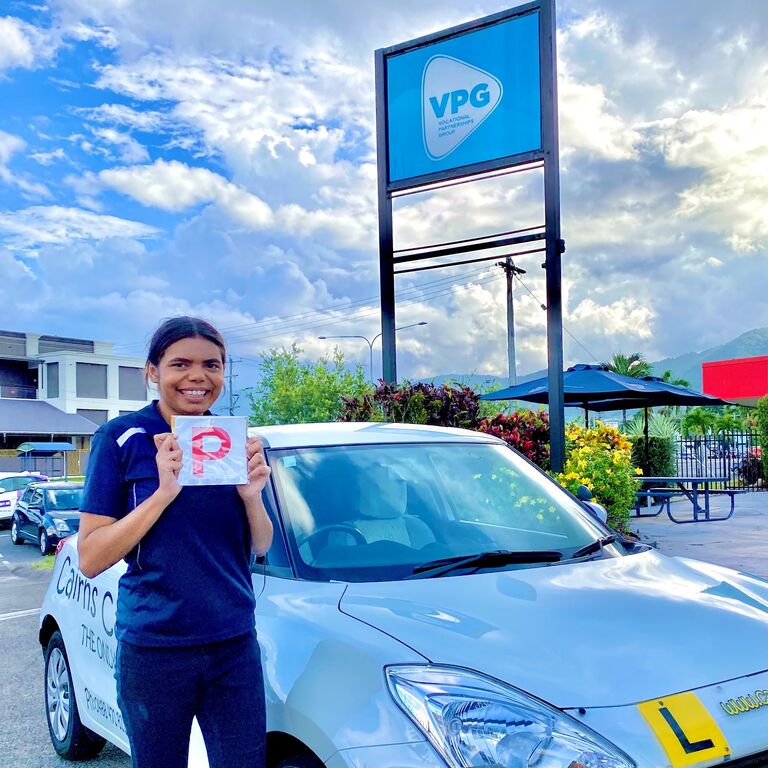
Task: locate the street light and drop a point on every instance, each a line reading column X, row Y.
column 371, row 342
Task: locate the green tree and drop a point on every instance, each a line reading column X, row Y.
column 634, row 365
column 698, row 421
column 668, row 378
column 291, row 391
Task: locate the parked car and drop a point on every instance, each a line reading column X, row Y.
column 47, row 513
column 433, row 599
column 12, row 484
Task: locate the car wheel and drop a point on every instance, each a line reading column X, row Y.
column 15, row 533
column 300, row 761
column 45, row 545
column 71, row 739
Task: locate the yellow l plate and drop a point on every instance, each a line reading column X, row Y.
column 686, row 730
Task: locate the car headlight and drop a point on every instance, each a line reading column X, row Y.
column 473, row 720
column 61, row 526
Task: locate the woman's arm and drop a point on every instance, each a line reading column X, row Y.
column 103, row 541
column 258, row 475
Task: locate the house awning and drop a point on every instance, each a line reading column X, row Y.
column 35, row 417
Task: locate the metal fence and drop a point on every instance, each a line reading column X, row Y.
column 734, row 455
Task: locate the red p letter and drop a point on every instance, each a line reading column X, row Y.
column 199, row 454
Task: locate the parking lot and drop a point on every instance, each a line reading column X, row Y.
column 24, row 743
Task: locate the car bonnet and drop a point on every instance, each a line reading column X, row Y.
column 601, row 633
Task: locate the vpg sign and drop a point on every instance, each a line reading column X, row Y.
column 456, row 99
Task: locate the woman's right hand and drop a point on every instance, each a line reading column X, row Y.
column 168, row 460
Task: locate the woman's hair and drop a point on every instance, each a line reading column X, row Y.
column 184, row 327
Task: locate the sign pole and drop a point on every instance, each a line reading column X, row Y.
column 386, row 246
column 553, row 243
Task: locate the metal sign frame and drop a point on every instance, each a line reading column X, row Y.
column 547, row 155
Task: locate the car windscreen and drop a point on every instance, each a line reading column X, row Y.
column 378, row 512
column 59, row 499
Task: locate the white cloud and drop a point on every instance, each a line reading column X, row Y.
column 48, row 158
column 23, row 45
column 9, row 146
column 173, row 186
column 130, row 151
column 40, row 225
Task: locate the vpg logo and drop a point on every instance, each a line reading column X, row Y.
column 456, row 99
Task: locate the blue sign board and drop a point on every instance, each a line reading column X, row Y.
column 468, row 99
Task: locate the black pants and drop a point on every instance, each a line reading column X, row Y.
column 160, row 690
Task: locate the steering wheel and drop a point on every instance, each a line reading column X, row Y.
column 322, row 533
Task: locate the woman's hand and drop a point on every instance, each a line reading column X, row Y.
column 258, row 471
column 168, row 466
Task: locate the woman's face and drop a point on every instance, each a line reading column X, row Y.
column 189, row 377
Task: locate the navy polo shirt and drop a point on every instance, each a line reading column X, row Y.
column 188, row 580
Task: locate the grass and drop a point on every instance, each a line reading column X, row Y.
column 45, row 563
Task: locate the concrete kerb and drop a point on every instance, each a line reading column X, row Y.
column 740, row 542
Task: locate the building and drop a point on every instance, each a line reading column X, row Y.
column 56, row 388
column 742, row 380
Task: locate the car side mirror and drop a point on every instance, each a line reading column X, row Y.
column 583, row 493
column 2, row 490
column 598, row 510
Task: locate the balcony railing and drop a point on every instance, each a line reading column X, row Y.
column 19, row 392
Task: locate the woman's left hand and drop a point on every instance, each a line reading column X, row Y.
column 258, row 471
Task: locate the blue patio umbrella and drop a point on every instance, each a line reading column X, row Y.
column 595, row 388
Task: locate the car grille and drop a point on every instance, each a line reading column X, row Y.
column 760, row 760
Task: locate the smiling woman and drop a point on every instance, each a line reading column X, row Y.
column 171, row 537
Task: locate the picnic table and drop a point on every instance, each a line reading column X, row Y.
column 694, row 488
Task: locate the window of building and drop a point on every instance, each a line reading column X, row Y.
column 131, row 383
column 52, row 380
column 91, row 380
column 94, row 415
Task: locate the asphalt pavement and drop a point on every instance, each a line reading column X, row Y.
column 740, row 543
column 24, row 740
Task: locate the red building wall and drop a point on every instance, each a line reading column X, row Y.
column 744, row 379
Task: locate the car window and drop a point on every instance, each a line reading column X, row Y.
column 63, row 498
column 359, row 513
column 27, row 495
column 36, row 498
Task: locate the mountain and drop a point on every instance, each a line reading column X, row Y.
column 688, row 366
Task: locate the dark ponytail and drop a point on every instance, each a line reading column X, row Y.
column 184, row 327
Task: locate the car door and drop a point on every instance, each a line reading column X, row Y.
column 22, row 519
column 34, row 513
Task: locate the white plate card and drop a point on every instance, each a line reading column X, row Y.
column 213, row 449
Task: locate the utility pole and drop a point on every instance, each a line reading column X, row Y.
column 231, row 376
column 511, row 270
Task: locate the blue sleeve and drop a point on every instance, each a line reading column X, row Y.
column 105, row 490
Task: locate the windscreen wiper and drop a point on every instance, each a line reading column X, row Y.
column 483, row 560
column 595, row 546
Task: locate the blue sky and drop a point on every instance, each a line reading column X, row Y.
column 219, row 159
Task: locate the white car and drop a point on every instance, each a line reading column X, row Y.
column 433, row 599
column 12, row 485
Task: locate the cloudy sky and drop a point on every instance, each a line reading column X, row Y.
column 160, row 157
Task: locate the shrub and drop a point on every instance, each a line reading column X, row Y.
column 418, row 403
column 601, row 459
column 526, row 431
column 657, row 459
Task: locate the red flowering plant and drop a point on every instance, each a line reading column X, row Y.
column 526, row 431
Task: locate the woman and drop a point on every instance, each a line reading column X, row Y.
column 185, row 630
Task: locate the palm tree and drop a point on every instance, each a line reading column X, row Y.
column 634, row 365
column 666, row 377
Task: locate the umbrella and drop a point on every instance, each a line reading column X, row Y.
column 594, row 387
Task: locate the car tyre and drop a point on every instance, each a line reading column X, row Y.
column 300, row 761
column 70, row 738
column 45, row 545
column 15, row 535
